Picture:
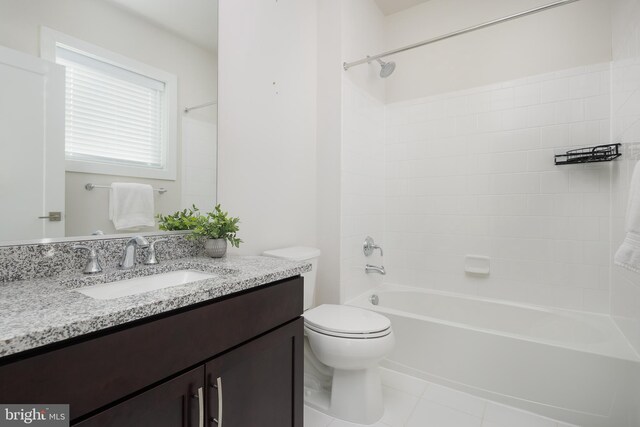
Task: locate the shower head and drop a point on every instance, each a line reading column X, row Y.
column 386, row 68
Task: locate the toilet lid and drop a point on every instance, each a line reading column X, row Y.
column 344, row 320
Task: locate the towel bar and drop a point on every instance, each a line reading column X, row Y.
column 90, row 187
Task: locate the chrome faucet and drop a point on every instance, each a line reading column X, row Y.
column 374, row 269
column 93, row 263
column 152, row 259
column 129, row 256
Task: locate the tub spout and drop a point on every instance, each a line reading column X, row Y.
column 374, row 269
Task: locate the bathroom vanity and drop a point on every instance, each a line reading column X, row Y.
column 225, row 351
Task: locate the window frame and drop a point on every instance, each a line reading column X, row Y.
column 49, row 39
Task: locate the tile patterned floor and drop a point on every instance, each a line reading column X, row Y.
column 411, row 402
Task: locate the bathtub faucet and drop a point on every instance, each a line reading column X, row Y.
column 374, row 269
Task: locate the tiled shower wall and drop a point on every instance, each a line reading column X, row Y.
column 625, row 284
column 363, row 182
column 472, row 173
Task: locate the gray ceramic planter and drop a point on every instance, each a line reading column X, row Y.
column 215, row 248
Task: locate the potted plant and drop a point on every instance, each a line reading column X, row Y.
column 216, row 228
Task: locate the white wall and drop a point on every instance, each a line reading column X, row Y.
column 565, row 37
column 472, row 173
column 363, row 32
column 329, row 140
column 267, row 121
column 625, row 294
column 362, row 152
column 105, row 25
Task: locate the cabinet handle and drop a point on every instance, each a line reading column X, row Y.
column 200, row 407
column 218, row 385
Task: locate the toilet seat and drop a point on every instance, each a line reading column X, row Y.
column 372, row 335
column 346, row 322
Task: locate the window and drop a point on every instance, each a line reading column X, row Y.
column 120, row 115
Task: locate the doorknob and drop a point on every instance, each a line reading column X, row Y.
column 53, row 216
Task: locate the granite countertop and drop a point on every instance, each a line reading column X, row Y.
column 37, row 312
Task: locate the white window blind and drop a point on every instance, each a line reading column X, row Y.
column 112, row 115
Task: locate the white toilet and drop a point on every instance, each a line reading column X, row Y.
column 349, row 340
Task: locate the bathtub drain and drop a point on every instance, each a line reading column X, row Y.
column 374, row 299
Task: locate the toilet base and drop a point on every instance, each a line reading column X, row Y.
column 356, row 395
column 349, row 395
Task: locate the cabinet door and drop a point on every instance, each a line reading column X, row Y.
column 177, row 402
column 259, row 383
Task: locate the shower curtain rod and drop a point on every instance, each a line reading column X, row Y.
column 348, row 65
column 196, row 107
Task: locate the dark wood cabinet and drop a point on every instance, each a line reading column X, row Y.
column 148, row 373
column 258, row 384
column 175, row 403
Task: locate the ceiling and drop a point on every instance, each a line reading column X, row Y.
column 194, row 20
column 389, row 7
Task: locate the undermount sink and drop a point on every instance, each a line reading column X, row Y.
column 139, row 285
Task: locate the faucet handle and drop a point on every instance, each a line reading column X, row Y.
column 93, row 263
column 369, row 246
column 151, row 252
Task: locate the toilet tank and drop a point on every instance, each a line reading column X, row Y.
column 303, row 254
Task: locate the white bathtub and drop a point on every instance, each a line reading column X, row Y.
column 572, row 366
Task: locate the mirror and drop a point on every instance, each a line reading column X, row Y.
column 95, row 92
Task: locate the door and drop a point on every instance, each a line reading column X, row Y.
column 259, row 383
column 175, row 403
column 31, row 146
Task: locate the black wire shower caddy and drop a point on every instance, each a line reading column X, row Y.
column 600, row 153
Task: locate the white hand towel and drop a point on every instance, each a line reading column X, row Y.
column 628, row 255
column 131, row 205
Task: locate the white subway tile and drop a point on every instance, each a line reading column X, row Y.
column 555, row 136
column 502, row 99
column 595, row 300
column 597, row 107
column 515, row 119
column 554, row 182
column 586, row 133
column 507, row 162
column 568, row 251
column 554, row 90
column 478, row 184
column 396, row 152
column 540, row 115
column 583, row 276
column 457, row 106
column 434, row 110
column 489, row 122
column 480, row 102
column 540, row 204
column 473, row 172
column 596, row 204
column 466, row 125
column 527, row 95
column 540, row 161
column 567, row 205
column 596, row 253
column 585, row 85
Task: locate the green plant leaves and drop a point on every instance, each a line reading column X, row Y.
column 211, row 225
column 181, row 220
